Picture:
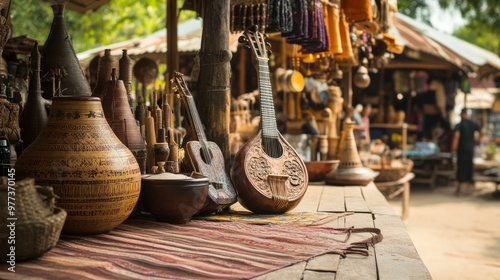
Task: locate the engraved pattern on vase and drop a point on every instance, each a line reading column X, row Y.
column 259, row 168
column 94, row 174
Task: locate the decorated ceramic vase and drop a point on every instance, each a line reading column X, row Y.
column 94, row 174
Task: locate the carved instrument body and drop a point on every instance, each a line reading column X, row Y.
column 265, row 184
column 268, row 174
column 205, row 157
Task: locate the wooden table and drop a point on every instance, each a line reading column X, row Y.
column 395, row 257
column 395, row 188
column 427, row 168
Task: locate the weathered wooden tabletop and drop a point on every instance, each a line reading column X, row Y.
column 395, row 257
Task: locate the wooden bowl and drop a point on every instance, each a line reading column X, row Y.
column 173, row 198
column 318, row 169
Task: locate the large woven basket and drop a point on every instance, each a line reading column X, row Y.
column 392, row 172
column 39, row 222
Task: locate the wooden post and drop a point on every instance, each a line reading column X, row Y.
column 172, row 56
column 213, row 98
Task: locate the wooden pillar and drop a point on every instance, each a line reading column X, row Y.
column 212, row 96
column 172, row 55
column 172, row 50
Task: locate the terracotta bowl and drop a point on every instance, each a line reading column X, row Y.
column 317, row 170
column 173, row 198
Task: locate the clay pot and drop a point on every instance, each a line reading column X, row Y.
column 174, row 198
column 317, row 170
column 95, row 175
column 60, row 69
column 119, row 116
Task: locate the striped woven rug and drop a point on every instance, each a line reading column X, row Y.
column 146, row 249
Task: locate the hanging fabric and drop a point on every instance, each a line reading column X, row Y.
column 248, row 13
column 347, row 55
column 300, row 22
column 280, row 16
column 309, row 28
column 332, row 14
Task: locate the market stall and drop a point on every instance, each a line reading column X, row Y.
column 144, row 187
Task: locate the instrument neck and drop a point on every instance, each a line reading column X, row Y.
column 268, row 115
column 195, row 118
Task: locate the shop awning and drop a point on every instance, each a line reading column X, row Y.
column 417, row 36
column 154, row 46
column 81, row 6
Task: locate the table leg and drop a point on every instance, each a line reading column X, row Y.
column 406, row 200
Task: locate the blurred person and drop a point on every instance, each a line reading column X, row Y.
column 361, row 118
column 463, row 148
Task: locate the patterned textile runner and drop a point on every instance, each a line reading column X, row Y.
column 145, row 249
column 289, row 218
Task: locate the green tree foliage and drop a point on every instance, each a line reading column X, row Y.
column 115, row 21
column 485, row 13
column 482, row 16
column 416, row 9
column 483, row 22
column 486, row 39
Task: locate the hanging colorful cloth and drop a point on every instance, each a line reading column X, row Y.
column 347, row 55
column 280, row 16
column 332, row 14
column 300, row 22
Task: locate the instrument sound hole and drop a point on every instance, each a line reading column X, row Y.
column 206, row 155
column 272, row 147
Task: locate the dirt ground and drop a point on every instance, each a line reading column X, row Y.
column 456, row 237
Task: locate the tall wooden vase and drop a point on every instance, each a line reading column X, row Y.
column 34, row 115
column 120, row 118
column 106, row 65
column 60, row 70
column 94, row 174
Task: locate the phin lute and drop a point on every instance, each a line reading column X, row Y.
column 268, row 174
column 205, row 157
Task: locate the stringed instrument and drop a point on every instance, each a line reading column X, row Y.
column 268, row 174
column 205, row 157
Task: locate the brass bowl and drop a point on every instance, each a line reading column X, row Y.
column 173, row 198
column 317, row 170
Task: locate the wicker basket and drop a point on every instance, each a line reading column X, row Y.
column 392, row 172
column 39, row 222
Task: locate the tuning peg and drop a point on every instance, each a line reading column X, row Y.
column 269, row 52
column 242, row 39
column 266, row 35
column 247, row 47
column 254, row 28
column 268, row 44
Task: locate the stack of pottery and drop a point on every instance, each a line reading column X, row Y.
column 95, row 175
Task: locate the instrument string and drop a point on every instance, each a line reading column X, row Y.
column 270, row 138
column 197, row 124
